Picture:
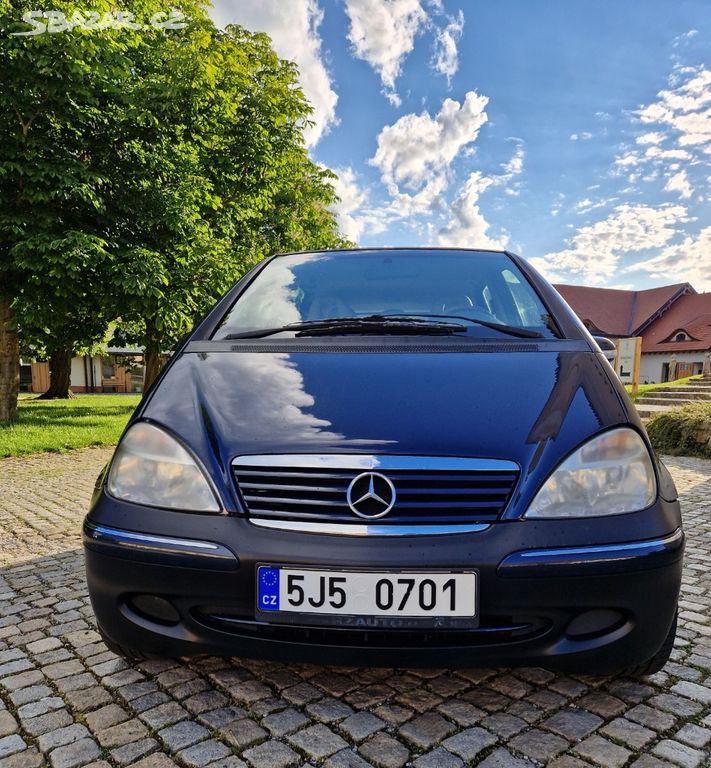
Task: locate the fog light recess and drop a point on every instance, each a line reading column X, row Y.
column 594, row 623
column 154, row 608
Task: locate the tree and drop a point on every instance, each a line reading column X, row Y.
column 141, row 172
column 58, row 95
column 215, row 174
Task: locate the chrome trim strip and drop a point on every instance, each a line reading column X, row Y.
column 362, row 461
column 158, row 546
column 634, row 548
column 355, row 529
column 602, row 559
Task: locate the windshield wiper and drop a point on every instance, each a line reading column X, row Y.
column 375, row 324
column 511, row 330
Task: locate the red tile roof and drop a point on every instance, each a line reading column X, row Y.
column 616, row 312
column 690, row 313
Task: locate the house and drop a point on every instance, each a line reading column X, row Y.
column 674, row 322
column 114, row 370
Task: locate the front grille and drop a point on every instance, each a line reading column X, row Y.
column 492, row 630
column 429, row 490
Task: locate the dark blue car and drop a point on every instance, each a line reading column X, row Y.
column 389, row 457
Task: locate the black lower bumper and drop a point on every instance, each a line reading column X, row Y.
column 593, row 608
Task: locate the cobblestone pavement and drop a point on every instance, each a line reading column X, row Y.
column 67, row 701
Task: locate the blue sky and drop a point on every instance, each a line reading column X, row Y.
column 575, row 132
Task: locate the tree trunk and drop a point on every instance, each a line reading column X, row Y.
column 153, row 364
column 60, row 370
column 9, row 364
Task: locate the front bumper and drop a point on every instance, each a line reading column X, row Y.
column 545, row 599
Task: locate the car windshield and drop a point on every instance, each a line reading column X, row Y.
column 479, row 287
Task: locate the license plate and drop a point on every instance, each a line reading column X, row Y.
column 365, row 593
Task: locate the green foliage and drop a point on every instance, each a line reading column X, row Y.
column 683, row 431
column 142, row 172
column 60, row 425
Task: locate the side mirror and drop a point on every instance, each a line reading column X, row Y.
column 605, row 344
column 607, row 347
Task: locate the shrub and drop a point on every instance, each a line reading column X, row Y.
column 684, row 430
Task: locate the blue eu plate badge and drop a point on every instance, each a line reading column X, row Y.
column 268, row 590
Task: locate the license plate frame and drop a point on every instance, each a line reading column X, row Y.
column 369, row 621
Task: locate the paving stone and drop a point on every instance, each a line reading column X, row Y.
column 329, row 710
column 693, row 691
column 76, row 754
column 123, row 733
column 245, row 733
column 203, row 754
column 30, row 694
column 156, row 760
column 469, row 743
column 36, row 726
column 464, row 713
column 62, row 736
column 182, row 734
column 603, row 752
column 286, row 721
column 694, row 735
column 538, row 745
column 163, row 715
column 384, row 751
column 572, row 724
column 438, row 758
column 11, row 744
column 504, row 725
column 28, row 758
column 651, row 718
column 105, row 717
column 317, row 742
column 37, row 708
column 361, row 725
column 219, row 718
column 8, row 724
column 502, row 758
column 632, row 734
column 678, row 753
column 272, row 754
column 129, row 753
column 426, row 730
column 346, row 759
column 88, row 699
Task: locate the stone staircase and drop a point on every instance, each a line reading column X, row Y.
column 674, row 397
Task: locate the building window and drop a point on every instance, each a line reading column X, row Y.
column 681, row 337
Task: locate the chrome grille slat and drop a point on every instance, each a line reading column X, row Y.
column 430, row 490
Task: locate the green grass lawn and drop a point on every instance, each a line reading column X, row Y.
column 60, row 425
column 647, row 388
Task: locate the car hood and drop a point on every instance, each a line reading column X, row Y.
column 531, row 407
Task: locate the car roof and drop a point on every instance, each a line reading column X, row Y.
column 396, row 248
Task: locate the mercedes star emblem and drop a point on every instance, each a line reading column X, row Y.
column 371, row 495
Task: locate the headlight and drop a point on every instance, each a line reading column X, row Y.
column 151, row 467
column 610, row 475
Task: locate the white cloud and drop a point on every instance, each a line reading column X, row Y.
column 654, row 137
column 686, row 108
column 684, row 38
column 383, row 34
column 687, row 260
column 584, row 136
column 351, row 200
column 445, row 60
column 467, row 227
column 416, row 151
column 679, row 182
column 594, row 252
column 294, row 29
